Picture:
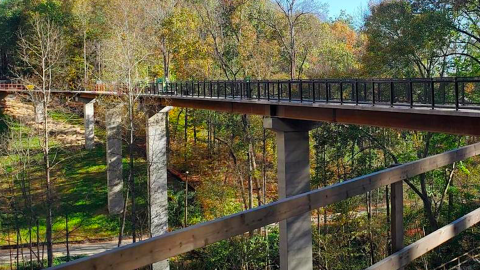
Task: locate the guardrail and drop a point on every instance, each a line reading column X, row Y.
column 457, row 93
column 449, row 92
column 174, row 243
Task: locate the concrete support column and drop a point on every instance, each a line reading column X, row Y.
column 113, row 122
column 293, row 178
column 39, row 111
column 157, row 126
column 89, row 119
column 3, row 95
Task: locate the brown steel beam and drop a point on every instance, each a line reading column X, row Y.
column 439, row 120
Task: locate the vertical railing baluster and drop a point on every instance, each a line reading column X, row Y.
column 341, row 92
column 301, row 91
column 258, row 90
column 242, row 84
column 268, row 91
column 432, row 86
column 456, row 94
column 327, row 92
column 410, row 89
column 225, row 89
column 279, row 90
column 392, row 94
column 356, row 92
column 210, row 86
column 373, row 93
column 289, row 90
column 313, row 91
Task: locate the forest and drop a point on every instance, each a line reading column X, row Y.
column 53, row 191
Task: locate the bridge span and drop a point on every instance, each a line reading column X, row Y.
column 447, row 105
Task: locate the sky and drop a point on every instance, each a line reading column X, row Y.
column 352, row 7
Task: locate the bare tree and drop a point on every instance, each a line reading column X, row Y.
column 40, row 51
column 158, row 12
column 288, row 26
column 83, row 10
column 129, row 50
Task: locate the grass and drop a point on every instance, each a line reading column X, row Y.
column 80, row 190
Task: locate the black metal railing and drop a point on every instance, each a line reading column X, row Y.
column 456, row 93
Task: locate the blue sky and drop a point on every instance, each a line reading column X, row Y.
column 352, row 7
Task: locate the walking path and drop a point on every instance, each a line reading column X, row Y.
column 60, row 250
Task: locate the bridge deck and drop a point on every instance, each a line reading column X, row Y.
column 447, row 105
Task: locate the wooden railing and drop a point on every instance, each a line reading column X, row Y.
column 406, row 255
column 174, row 243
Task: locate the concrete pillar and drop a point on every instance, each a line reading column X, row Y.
column 113, row 122
column 3, row 95
column 39, row 111
column 89, row 118
column 157, row 176
column 293, row 178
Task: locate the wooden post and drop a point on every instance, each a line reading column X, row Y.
column 397, row 216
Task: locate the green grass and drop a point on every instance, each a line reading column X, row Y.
column 80, row 189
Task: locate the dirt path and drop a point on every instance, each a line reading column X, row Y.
column 61, row 250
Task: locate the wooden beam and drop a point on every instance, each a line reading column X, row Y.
column 174, row 243
column 406, row 255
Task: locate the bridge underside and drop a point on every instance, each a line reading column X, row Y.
column 462, row 122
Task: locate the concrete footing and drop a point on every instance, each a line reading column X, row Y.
column 293, row 178
column 113, row 122
column 89, row 119
column 157, row 175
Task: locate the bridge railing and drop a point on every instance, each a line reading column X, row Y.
column 177, row 242
column 454, row 93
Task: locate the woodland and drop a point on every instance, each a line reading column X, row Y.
column 53, row 192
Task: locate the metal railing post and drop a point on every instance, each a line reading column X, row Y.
column 356, row 92
column 410, row 89
column 392, row 94
column 432, row 86
column 341, row 92
column 373, row 93
column 301, row 91
column 289, row 90
column 456, row 94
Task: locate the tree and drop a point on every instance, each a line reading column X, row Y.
column 289, row 24
column 83, row 11
column 402, row 42
column 463, row 18
column 40, row 52
column 128, row 50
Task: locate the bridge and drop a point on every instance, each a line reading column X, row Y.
column 291, row 109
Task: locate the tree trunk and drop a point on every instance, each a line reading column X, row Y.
column 131, row 174
column 67, row 234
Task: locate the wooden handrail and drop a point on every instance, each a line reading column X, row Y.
column 406, row 255
column 174, row 243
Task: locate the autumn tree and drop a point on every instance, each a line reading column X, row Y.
column 402, row 42
column 41, row 52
